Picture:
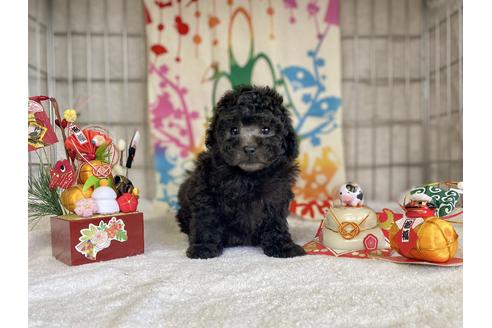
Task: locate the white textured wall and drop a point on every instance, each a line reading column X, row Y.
column 396, row 133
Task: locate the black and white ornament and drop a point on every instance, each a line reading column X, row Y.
column 350, row 194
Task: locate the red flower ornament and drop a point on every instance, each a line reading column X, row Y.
column 127, row 203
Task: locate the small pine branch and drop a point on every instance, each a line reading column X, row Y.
column 42, row 201
column 103, row 153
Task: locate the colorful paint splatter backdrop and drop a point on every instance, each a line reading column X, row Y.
column 198, row 49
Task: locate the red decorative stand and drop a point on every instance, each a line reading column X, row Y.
column 76, row 240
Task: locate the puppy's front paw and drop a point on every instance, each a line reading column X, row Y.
column 286, row 250
column 203, row 251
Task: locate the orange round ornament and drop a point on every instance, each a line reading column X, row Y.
column 72, row 195
column 436, row 241
column 86, row 171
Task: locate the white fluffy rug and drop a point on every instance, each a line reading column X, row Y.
column 242, row 288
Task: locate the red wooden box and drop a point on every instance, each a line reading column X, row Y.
column 76, row 240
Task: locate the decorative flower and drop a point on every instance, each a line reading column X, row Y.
column 116, row 226
column 87, row 248
column 111, row 231
column 85, row 207
column 100, row 239
column 70, row 115
column 370, row 242
column 127, row 203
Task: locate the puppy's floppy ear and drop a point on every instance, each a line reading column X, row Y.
column 291, row 142
column 228, row 100
column 210, row 134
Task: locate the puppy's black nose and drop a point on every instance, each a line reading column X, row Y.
column 249, row 150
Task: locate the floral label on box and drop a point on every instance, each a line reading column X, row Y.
column 96, row 238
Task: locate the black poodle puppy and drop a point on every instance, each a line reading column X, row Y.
column 240, row 190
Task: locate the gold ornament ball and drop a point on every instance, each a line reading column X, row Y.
column 72, row 195
column 86, row 171
column 437, row 241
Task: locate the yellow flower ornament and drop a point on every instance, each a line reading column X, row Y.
column 70, row 115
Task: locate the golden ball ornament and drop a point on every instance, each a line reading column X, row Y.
column 437, row 241
column 72, row 195
column 86, row 171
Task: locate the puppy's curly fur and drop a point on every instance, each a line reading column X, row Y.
column 240, row 189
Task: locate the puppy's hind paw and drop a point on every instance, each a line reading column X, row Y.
column 283, row 251
column 203, row 251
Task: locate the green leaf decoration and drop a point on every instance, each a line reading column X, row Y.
column 445, row 200
column 121, row 235
column 87, row 234
column 102, row 226
column 93, row 181
column 101, row 153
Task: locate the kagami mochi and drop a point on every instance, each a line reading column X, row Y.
column 352, row 226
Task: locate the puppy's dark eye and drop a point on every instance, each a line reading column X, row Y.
column 234, row 131
column 265, row 130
